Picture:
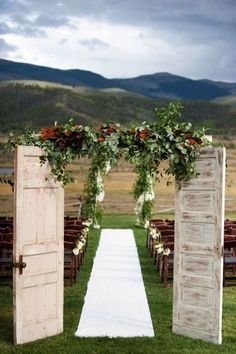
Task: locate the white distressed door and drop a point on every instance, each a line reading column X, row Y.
column 38, row 242
column 198, row 264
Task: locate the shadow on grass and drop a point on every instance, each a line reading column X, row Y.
column 6, row 315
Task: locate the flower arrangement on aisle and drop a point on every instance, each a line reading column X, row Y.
column 80, row 244
column 157, row 242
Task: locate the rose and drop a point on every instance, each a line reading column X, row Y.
column 50, row 133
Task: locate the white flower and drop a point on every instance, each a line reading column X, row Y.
column 83, row 240
column 100, row 196
column 160, row 250
column 107, row 167
column 80, row 245
column 149, row 195
column 85, row 231
column 159, row 247
column 76, row 251
column 87, row 222
column 166, row 252
column 154, row 233
column 139, row 204
column 96, row 226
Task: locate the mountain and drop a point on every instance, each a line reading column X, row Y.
column 230, row 86
column 159, row 85
column 172, row 86
column 10, row 70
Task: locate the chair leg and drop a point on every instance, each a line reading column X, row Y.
column 147, row 239
column 224, row 272
column 160, row 257
column 165, row 271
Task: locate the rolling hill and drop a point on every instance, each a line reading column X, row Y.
column 31, row 104
column 159, row 85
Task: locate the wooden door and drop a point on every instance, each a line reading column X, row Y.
column 38, row 242
column 198, row 264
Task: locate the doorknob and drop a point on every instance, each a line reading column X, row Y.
column 19, row 264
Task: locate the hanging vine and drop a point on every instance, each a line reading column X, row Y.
column 105, row 155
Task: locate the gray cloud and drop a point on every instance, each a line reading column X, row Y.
column 63, row 41
column 22, row 27
column 142, row 11
column 200, row 19
column 4, row 28
column 93, row 43
column 50, row 21
column 5, row 48
column 207, row 26
column 13, row 7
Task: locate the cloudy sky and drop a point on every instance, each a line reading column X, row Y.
column 123, row 38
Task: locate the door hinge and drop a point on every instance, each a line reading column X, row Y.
column 21, row 265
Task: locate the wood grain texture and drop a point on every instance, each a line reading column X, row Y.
column 198, row 265
column 38, row 236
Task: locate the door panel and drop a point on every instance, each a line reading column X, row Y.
column 38, row 237
column 198, row 263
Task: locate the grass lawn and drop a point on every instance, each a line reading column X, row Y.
column 160, row 302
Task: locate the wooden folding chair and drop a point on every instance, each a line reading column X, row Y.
column 167, row 265
column 6, row 272
column 229, row 261
column 70, row 263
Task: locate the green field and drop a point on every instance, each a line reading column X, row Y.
column 160, row 302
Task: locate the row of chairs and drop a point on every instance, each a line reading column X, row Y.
column 229, row 253
column 6, row 245
column 160, row 244
column 76, row 232
column 75, row 245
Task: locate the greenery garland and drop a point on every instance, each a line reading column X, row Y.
column 144, row 146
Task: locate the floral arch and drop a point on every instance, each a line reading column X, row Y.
column 145, row 146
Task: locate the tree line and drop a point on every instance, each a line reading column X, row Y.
column 31, row 106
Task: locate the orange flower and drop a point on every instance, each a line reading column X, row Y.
column 194, row 141
column 143, row 134
column 106, row 129
column 50, row 133
column 110, row 130
column 101, row 138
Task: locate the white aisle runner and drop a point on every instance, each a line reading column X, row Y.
column 115, row 303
